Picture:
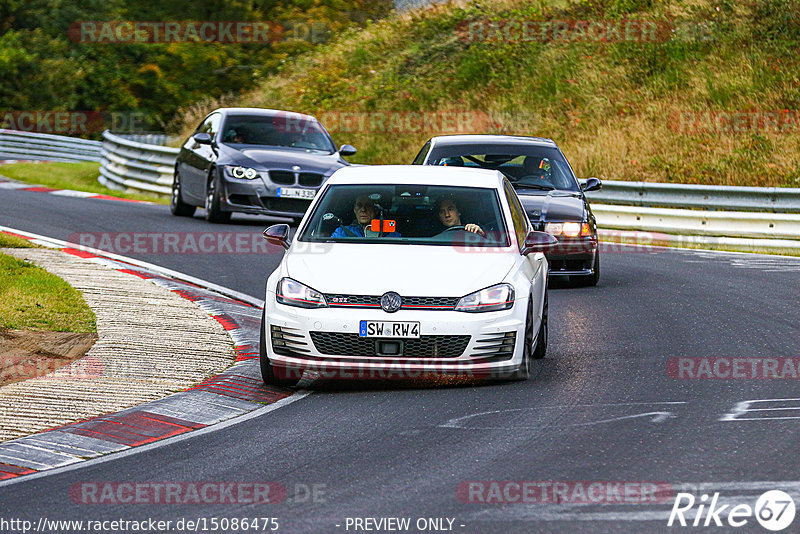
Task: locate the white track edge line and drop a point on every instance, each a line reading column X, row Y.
column 300, row 394
column 156, row 268
column 134, row 450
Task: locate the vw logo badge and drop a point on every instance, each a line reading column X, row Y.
column 295, row 168
column 391, row 302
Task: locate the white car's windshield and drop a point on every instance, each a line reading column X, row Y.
column 409, row 214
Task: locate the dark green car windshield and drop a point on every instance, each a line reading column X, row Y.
column 536, row 167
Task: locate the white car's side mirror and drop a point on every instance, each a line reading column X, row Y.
column 538, row 242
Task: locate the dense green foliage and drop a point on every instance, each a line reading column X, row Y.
column 618, row 108
column 614, row 106
column 45, row 67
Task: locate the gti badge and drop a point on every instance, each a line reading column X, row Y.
column 391, row 302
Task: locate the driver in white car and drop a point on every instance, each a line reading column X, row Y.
column 450, row 216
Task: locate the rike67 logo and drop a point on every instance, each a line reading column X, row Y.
column 774, row 510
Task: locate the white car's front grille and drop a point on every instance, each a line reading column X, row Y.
column 374, row 301
column 498, row 347
column 287, row 341
column 346, row 344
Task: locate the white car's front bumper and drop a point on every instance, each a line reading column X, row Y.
column 327, row 340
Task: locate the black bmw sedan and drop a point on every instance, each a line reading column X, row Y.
column 550, row 193
column 253, row 160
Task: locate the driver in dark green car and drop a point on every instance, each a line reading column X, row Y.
column 450, row 216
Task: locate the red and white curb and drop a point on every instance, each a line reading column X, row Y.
column 19, row 186
column 233, row 393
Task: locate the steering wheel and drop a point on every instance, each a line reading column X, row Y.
column 461, row 228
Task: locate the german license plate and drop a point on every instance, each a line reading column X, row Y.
column 401, row 329
column 295, row 192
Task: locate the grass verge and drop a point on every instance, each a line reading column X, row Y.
column 33, row 299
column 76, row 176
column 12, row 241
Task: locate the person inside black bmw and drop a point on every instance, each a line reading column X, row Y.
column 534, row 168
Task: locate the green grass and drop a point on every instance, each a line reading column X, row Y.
column 33, row 299
column 76, row 176
column 612, row 107
column 12, row 241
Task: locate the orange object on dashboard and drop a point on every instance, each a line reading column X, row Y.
column 388, row 226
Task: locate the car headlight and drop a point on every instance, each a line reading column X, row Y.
column 568, row 229
column 494, row 298
column 293, row 293
column 237, row 171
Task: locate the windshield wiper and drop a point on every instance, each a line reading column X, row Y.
column 540, row 187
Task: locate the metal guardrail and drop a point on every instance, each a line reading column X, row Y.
column 128, row 164
column 693, row 222
column 38, row 146
column 146, row 138
column 716, row 197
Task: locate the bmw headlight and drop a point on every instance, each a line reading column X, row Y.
column 293, row 293
column 494, row 298
column 237, row 171
column 568, row 229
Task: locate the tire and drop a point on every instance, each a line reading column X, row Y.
column 177, row 206
column 213, row 212
column 268, row 374
column 541, row 338
column 524, row 370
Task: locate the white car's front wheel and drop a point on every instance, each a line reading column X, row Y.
column 541, row 338
column 524, row 370
column 268, row 372
column 533, row 347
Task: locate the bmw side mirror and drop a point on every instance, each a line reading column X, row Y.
column 202, row 138
column 278, row 234
column 592, row 184
column 347, row 150
column 538, row 242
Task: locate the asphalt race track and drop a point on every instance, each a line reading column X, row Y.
column 602, row 406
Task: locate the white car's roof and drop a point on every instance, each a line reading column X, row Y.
column 417, row 174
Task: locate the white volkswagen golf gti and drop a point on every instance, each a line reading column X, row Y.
column 407, row 271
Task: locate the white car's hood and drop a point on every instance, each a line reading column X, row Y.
column 410, row 270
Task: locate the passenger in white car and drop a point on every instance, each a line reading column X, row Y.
column 364, row 210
